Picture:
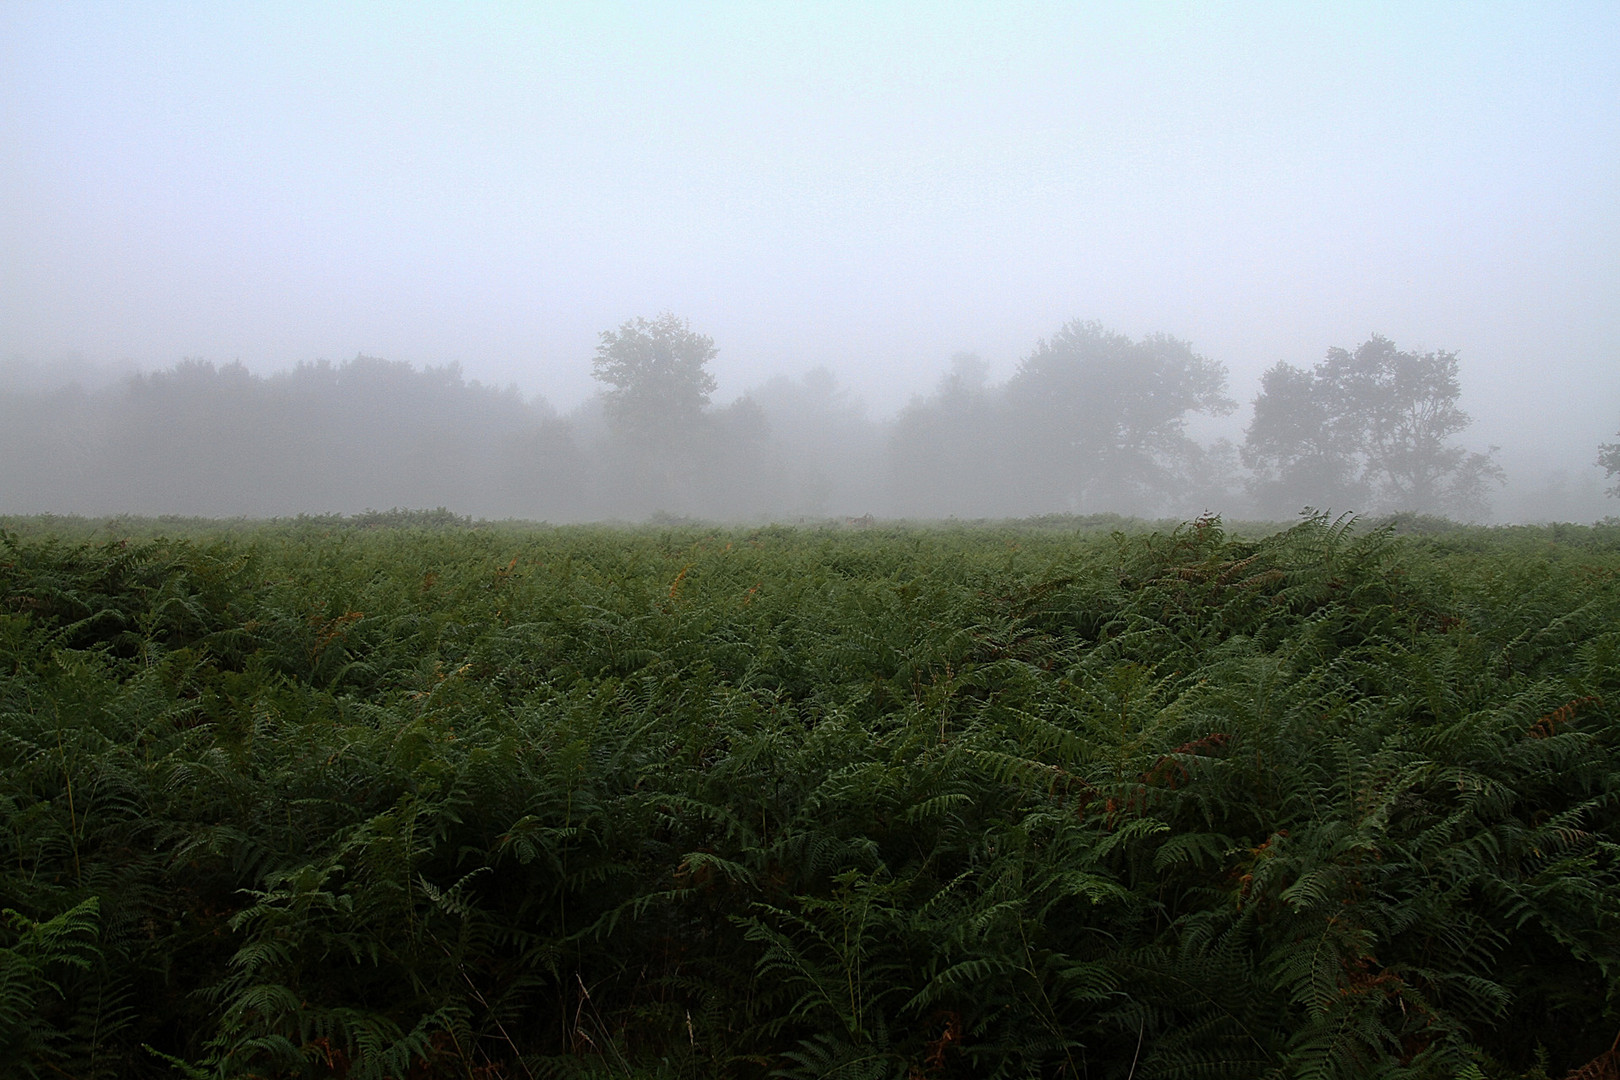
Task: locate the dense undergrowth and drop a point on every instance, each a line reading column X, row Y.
column 301, row 801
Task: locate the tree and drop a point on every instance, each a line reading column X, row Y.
column 1293, row 446
column 1102, row 418
column 668, row 450
column 1609, row 461
column 1368, row 429
column 658, row 381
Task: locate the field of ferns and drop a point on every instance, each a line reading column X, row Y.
column 411, row 797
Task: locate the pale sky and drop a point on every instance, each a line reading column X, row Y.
column 867, row 186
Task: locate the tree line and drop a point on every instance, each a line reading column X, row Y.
column 1091, row 421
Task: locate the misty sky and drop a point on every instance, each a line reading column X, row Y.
column 866, row 186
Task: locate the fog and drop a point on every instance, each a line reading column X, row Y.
column 967, row 261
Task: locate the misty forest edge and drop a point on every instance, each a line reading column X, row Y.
column 401, row 795
column 1090, row 422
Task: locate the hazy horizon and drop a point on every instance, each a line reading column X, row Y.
column 866, row 189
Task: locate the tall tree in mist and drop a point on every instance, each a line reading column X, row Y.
column 658, row 380
column 1609, row 461
column 1369, row 429
column 670, row 450
column 1100, row 419
column 1299, row 455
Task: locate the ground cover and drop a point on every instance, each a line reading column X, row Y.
column 420, row 797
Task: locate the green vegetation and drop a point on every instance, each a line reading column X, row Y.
column 413, row 798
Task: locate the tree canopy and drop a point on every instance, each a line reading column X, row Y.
column 1368, row 429
column 668, row 449
column 657, row 377
column 1103, row 417
column 1609, row 461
